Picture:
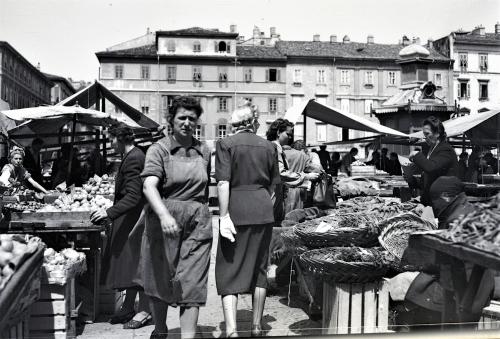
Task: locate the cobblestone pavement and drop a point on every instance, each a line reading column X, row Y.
column 279, row 318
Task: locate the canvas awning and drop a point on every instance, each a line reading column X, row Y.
column 91, row 94
column 480, row 128
column 336, row 117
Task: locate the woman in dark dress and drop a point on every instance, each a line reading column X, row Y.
column 441, row 160
column 177, row 239
column 120, row 262
column 246, row 169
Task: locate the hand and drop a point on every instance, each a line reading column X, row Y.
column 169, row 226
column 412, row 154
column 312, row 176
column 226, row 228
column 98, row 215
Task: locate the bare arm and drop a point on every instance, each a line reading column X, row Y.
column 150, row 189
column 223, row 195
column 36, row 185
column 4, row 178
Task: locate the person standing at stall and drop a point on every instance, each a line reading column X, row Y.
column 15, row 175
column 462, row 166
column 32, row 161
column 441, row 160
column 177, row 239
column 246, row 169
column 347, row 160
column 324, row 157
column 120, row 262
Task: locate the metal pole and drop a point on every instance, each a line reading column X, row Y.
column 305, row 129
column 70, row 164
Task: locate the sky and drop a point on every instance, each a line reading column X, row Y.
column 63, row 35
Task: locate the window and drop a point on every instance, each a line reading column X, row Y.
column 196, row 47
column 222, row 106
column 368, row 106
column 170, row 46
column 344, row 77
column 221, row 131
column 166, row 103
column 321, row 100
column 171, row 74
column 344, row 105
column 144, row 103
column 273, row 75
column 438, row 79
column 321, row 132
column 483, row 63
column 248, row 75
column 222, row 47
column 369, row 78
column 223, row 74
column 321, row 76
column 463, row 90
column 392, row 79
column 118, row 71
column 483, row 90
column 297, row 76
column 144, row 72
column 273, row 105
column 463, row 62
column 296, row 99
column 199, row 132
column 197, row 74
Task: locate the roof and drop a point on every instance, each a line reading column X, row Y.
column 57, row 78
column 487, row 38
column 351, row 50
column 146, row 50
column 259, row 52
column 197, row 32
column 19, row 55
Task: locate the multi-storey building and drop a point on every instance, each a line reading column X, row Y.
column 61, row 90
column 21, row 84
column 150, row 71
column 476, row 69
column 220, row 68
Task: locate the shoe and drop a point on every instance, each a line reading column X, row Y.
column 233, row 334
column 121, row 318
column 156, row 335
column 256, row 331
column 135, row 324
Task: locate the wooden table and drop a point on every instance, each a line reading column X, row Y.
column 72, row 230
column 460, row 292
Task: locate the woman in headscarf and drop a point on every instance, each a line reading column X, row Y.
column 14, row 174
column 246, row 169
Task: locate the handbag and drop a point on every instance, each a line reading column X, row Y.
column 323, row 192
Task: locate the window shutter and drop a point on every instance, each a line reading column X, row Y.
column 278, row 75
column 267, row 75
column 228, row 47
column 216, row 46
column 468, row 90
column 458, row 90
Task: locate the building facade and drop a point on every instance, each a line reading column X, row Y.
column 21, row 84
column 476, row 71
column 61, row 90
column 222, row 68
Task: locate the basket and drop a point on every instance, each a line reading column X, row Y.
column 395, row 231
column 292, row 242
column 345, row 264
column 349, row 229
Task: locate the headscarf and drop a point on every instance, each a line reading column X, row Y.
column 16, row 150
column 447, row 186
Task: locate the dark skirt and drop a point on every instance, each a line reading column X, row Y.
column 120, row 262
column 175, row 270
column 242, row 265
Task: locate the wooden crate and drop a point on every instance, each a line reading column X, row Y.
column 50, row 219
column 19, row 330
column 110, row 301
column 490, row 320
column 355, row 308
column 54, row 314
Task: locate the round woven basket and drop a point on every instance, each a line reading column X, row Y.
column 395, row 232
column 345, row 264
column 292, row 242
column 350, row 229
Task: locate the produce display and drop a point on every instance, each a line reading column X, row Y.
column 14, row 249
column 100, row 185
column 480, row 228
column 60, row 266
column 349, row 187
column 25, row 206
column 79, row 201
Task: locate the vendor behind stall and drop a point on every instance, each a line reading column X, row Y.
column 14, row 174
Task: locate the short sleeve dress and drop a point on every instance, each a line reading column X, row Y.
column 175, row 270
column 18, row 175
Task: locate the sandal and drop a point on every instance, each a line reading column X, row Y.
column 156, row 335
column 256, row 331
column 121, row 318
column 135, row 324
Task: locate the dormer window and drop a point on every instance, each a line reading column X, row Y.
column 171, row 46
column 196, row 47
column 222, row 46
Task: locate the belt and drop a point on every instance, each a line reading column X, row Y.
column 247, row 188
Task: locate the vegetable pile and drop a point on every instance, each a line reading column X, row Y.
column 27, row 206
column 98, row 185
column 79, row 201
column 348, row 187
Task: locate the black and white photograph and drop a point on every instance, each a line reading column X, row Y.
column 267, row 168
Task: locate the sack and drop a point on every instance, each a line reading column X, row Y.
column 323, row 192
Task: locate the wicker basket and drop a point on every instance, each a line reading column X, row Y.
column 345, row 264
column 350, row 229
column 293, row 244
column 395, row 231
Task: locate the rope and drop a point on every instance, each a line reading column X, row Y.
column 290, row 281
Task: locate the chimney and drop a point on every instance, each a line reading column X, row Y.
column 430, row 43
column 273, row 32
column 147, row 30
column 38, row 66
column 232, row 28
column 406, row 40
column 333, row 38
column 497, row 28
column 346, row 39
column 479, row 30
column 241, row 38
column 256, row 32
column 370, row 39
column 417, row 41
column 316, row 37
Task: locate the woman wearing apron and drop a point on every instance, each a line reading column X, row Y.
column 175, row 250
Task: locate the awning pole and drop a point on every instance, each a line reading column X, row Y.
column 305, row 129
column 70, row 164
